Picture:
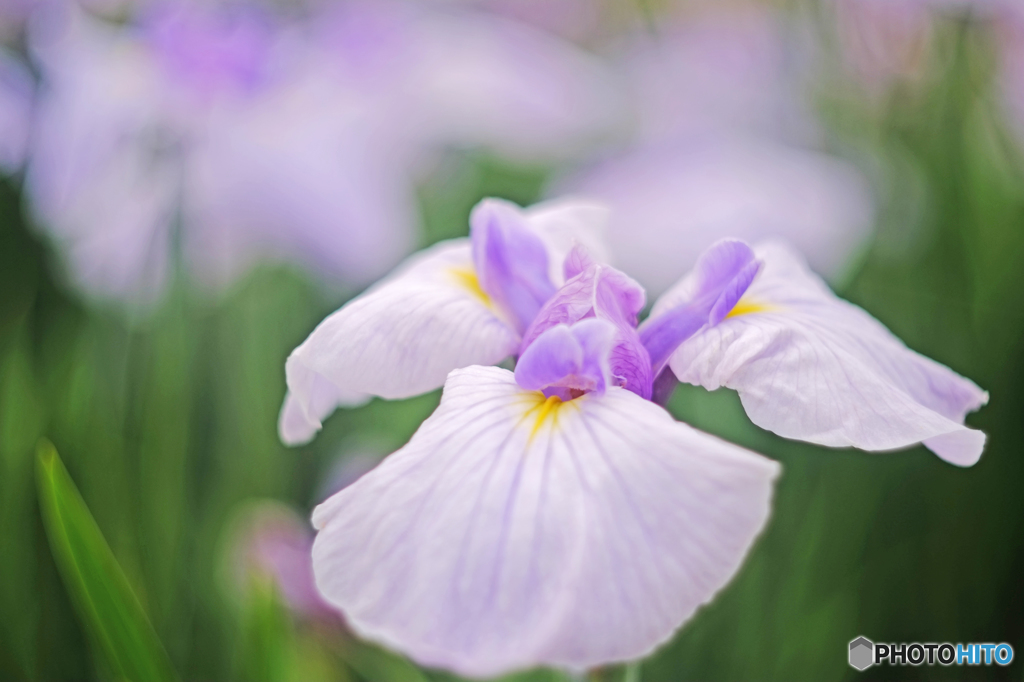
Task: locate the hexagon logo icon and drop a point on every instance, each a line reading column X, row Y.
column 862, row 653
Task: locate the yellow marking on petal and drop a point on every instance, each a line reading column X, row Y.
column 467, row 279
column 743, row 307
column 550, row 407
column 544, row 409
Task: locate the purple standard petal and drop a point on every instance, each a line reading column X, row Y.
column 718, row 281
column 511, row 261
column 566, row 361
column 603, row 292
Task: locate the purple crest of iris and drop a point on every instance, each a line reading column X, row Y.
column 557, row 515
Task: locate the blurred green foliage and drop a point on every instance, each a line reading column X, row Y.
column 167, row 422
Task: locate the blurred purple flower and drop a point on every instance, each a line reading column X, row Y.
column 722, row 149
column 272, row 541
column 233, row 137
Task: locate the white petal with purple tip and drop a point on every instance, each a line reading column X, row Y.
column 512, row 532
column 810, row 366
column 403, row 336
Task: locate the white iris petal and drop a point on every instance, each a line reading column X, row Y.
column 810, row 366
column 515, row 531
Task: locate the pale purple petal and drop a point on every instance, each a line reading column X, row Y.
column 311, row 399
column 403, row 336
column 565, row 357
column 671, row 201
column 705, row 296
column 568, row 226
column 506, row 535
column 511, row 262
column 600, row 291
column 576, row 262
column 810, row 366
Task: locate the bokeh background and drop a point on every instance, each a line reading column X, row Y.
column 189, row 188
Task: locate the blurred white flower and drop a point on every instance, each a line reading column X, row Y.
column 672, row 202
column 722, row 148
column 230, row 137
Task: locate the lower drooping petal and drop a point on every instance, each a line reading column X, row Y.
column 514, row 531
column 810, row 366
column 311, row 399
column 402, row 337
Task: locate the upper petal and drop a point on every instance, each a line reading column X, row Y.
column 512, row 262
column 403, row 336
column 811, row 366
column 511, row 532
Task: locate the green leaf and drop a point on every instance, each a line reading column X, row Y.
column 108, row 608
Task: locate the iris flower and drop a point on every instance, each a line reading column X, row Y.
column 557, row 514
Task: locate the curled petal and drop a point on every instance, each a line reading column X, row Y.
column 301, row 417
column 705, row 296
column 400, row 338
column 513, row 531
column 565, row 357
column 810, row 366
